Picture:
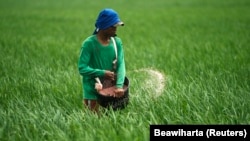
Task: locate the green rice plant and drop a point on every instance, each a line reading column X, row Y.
column 187, row 62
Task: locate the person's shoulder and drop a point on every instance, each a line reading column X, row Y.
column 89, row 40
column 118, row 39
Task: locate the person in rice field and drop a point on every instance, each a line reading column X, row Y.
column 97, row 55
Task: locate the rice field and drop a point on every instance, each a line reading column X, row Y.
column 187, row 61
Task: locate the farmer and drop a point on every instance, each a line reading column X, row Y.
column 96, row 58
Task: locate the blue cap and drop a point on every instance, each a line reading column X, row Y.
column 107, row 18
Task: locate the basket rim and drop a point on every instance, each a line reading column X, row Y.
column 126, row 89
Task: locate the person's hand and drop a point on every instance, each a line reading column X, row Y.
column 110, row 75
column 119, row 92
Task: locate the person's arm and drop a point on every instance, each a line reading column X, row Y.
column 84, row 62
column 121, row 70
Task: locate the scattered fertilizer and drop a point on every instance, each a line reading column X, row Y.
column 155, row 80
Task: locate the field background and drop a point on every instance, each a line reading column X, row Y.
column 201, row 47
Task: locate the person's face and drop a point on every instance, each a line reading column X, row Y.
column 111, row 31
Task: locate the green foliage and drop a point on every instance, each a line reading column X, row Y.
column 201, row 47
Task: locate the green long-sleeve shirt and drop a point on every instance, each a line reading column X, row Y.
column 95, row 59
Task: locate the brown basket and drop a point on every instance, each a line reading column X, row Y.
column 107, row 101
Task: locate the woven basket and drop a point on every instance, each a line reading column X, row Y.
column 107, row 101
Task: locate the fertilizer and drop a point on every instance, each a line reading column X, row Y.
column 155, row 81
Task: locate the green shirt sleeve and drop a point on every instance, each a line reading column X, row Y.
column 83, row 64
column 121, row 70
